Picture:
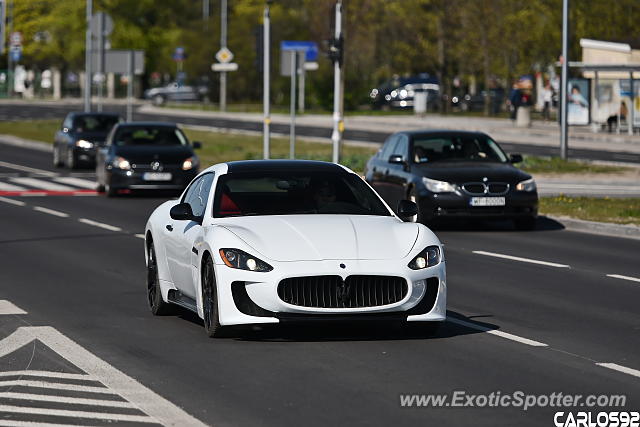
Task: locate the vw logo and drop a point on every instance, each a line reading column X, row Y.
column 156, row 166
column 485, row 179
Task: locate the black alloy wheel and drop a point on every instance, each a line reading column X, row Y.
column 154, row 296
column 209, row 300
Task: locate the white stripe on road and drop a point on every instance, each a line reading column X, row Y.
column 77, row 182
column 10, row 187
column 7, row 307
column 620, row 276
column 48, row 374
column 50, row 212
column 42, row 185
column 99, row 224
column 26, row 169
column 12, row 202
column 517, row 258
column 496, row 332
column 16, row 423
column 620, row 368
column 62, row 399
column 55, row 386
column 139, row 236
column 77, row 414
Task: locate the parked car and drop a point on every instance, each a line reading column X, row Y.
column 399, row 92
column 274, row 241
column 76, row 142
column 146, row 156
column 175, row 92
column 453, row 174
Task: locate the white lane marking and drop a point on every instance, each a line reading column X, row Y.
column 620, row 368
column 118, row 382
column 10, row 187
column 77, row 414
column 7, row 307
column 27, row 169
column 498, row 333
column 48, row 374
column 12, row 202
column 517, row 258
column 62, row 399
column 42, row 185
column 620, row 276
column 139, row 236
column 77, row 182
column 99, row 224
column 50, row 211
column 56, row 386
column 17, row 423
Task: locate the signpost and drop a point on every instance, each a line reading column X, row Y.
column 87, row 58
column 101, row 26
column 336, row 55
column 309, row 54
column 266, row 58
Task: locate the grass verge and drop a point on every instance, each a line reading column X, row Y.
column 38, row 130
column 615, row 210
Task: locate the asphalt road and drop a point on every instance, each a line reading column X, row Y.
column 56, row 111
column 74, row 266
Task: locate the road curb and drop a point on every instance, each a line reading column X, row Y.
column 26, row 143
column 601, row 228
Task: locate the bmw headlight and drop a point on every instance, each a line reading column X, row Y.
column 235, row 258
column 427, row 258
column 436, row 186
column 526, row 185
column 81, row 143
column 121, row 163
column 190, row 163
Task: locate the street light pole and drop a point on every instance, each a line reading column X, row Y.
column 223, row 44
column 266, row 59
column 87, row 60
column 338, row 124
column 564, row 135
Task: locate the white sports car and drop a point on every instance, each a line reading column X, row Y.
column 268, row 241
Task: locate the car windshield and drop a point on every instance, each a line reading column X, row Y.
column 94, row 123
column 475, row 148
column 149, row 135
column 294, row 193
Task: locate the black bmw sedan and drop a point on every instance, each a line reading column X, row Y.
column 453, row 174
column 76, row 142
column 146, row 156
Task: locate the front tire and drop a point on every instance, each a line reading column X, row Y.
column 154, row 295
column 109, row 190
column 57, row 161
column 71, row 159
column 210, row 300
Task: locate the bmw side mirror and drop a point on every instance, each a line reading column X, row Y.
column 197, row 145
column 396, row 159
column 182, row 212
column 515, row 158
column 407, row 209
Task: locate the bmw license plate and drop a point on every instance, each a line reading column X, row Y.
column 487, row 201
column 157, row 176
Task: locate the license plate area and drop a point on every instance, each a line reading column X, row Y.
column 157, row 176
column 487, row 201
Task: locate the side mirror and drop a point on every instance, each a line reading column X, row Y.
column 197, row 145
column 182, row 212
column 515, row 158
column 396, row 159
column 407, row 209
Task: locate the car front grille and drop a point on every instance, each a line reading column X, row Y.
column 482, row 189
column 333, row 292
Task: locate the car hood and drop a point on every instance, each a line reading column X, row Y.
column 164, row 154
column 322, row 237
column 460, row 172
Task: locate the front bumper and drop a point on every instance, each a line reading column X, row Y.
column 247, row 297
column 134, row 179
column 440, row 205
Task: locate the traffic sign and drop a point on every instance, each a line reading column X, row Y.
column 310, row 48
column 224, row 55
column 229, row 66
column 15, row 53
column 179, row 54
column 16, row 38
column 95, row 24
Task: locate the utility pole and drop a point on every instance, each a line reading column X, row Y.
column 10, row 73
column 87, row 59
column 564, row 135
column 3, row 20
column 336, row 54
column 100, row 73
column 266, row 58
column 205, row 11
column 223, row 44
column 292, row 128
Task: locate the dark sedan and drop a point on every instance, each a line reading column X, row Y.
column 79, row 137
column 453, row 174
column 146, row 156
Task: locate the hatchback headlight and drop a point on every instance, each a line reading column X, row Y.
column 436, row 186
column 121, row 163
column 190, row 163
column 427, row 258
column 526, row 185
column 81, row 143
column 235, row 258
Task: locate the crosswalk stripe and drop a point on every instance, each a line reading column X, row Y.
column 63, row 399
column 48, row 374
column 77, row 414
column 40, row 184
column 26, row 169
column 18, row 423
column 7, row 307
column 77, row 182
column 10, row 187
column 56, row 386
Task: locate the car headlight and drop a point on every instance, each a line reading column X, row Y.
column 427, row 258
column 190, row 163
column 436, row 186
column 121, row 163
column 526, row 185
column 84, row 144
column 235, row 258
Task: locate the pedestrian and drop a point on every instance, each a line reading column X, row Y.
column 515, row 98
column 547, row 98
column 620, row 115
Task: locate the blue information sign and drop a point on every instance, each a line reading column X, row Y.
column 15, row 53
column 310, row 48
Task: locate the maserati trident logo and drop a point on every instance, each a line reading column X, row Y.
column 156, row 166
column 343, row 291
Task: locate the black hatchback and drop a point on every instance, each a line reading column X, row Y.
column 453, row 174
column 146, row 156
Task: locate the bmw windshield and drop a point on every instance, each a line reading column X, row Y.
column 469, row 148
